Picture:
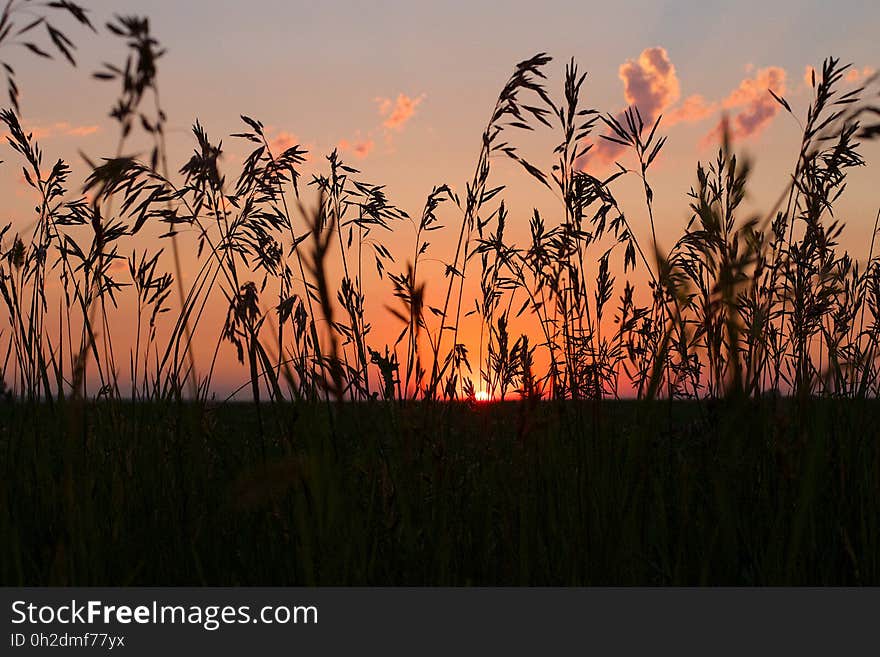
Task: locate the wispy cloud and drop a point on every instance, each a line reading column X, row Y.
column 750, row 105
column 394, row 116
column 82, row 130
column 692, row 109
column 361, row 147
column 855, row 75
column 280, row 140
column 59, row 129
column 283, row 140
column 397, row 113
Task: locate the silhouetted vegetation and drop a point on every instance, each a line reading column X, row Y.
column 750, row 347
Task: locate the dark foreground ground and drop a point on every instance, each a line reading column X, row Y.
column 775, row 492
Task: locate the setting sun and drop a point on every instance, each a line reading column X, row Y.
column 482, row 396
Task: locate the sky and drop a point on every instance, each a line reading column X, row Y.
column 404, row 89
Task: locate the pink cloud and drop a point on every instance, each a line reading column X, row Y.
column 82, row 130
column 363, row 148
column 693, row 108
column 855, row 75
column 755, row 89
column 360, row 148
column 397, row 113
column 282, row 141
column 651, row 84
column 751, row 106
column 59, row 129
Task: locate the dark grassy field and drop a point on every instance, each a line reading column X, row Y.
column 772, row 492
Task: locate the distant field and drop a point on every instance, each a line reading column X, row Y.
column 566, row 493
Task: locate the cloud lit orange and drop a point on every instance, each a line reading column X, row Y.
column 855, row 75
column 651, row 84
column 284, row 140
column 693, row 108
column 398, row 112
column 360, row 148
column 751, row 105
column 59, row 129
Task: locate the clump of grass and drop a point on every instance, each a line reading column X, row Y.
column 737, row 306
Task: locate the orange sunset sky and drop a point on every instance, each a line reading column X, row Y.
column 403, row 90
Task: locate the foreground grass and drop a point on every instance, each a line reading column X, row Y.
column 772, row 492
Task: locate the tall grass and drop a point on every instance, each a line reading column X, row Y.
column 738, row 305
column 589, row 307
